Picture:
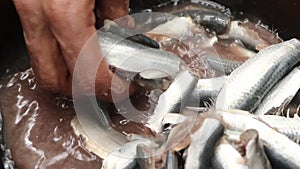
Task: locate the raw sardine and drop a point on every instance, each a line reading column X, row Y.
column 281, row 151
column 281, row 94
column 227, row 157
column 172, row 100
column 200, row 151
column 249, row 83
column 206, row 91
column 132, row 57
column 254, row 35
column 285, row 125
column 254, row 150
column 172, row 160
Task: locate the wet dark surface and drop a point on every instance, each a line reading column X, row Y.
column 37, row 127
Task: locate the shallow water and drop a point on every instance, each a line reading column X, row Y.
column 37, row 127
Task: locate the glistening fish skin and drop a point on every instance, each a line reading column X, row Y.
column 125, row 157
column 254, row 35
column 281, row 151
column 287, row 126
column 249, row 83
column 213, row 19
column 172, row 100
column 222, row 64
column 131, row 35
column 144, row 157
column 255, row 154
column 172, row 160
column 227, row 157
column 206, row 91
column 200, row 150
column 133, row 57
column 281, row 94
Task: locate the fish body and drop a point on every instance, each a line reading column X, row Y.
column 132, row 35
column 281, row 94
column 172, row 160
column 285, row 125
column 172, row 100
column 206, row 90
column 144, row 157
column 125, row 157
column 200, row 150
column 183, row 27
column 222, row 64
column 281, row 151
column 95, row 127
column 254, row 154
column 132, row 57
column 231, row 53
column 227, row 157
column 249, row 83
column 209, row 18
column 254, row 35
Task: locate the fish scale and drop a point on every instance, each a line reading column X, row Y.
column 287, row 126
column 249, row 83
column 281, row 94
column 281, row 151
column 132, row 57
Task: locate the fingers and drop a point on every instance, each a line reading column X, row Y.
column 113, row 9
column 72, row 24
column 46, row 60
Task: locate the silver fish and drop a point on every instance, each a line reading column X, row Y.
column 144, row 157
column 179, row 136
column 281, row 151
column 132, row 57
column 200, row 151
column 249, row 83
column 222, row 65
column 125, row 157
column 206, row 90
column 208, row 14
column 175, row 28
column 254, row 154
column 172, row 160
column 129, row 34
column 172, row 100
column 232, row 54
column 95, row 127
column 285, row 125
column 209, row 18
column 227, row 157
column 254, row 35
column 281, row 94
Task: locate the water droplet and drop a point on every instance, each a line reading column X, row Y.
column 64, row 106
column 124, row 122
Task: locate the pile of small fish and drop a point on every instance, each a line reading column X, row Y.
column 224, row 121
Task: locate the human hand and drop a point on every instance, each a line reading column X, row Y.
column 55, row 32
